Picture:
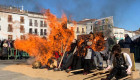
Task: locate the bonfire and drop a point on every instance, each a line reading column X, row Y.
column 59, row 39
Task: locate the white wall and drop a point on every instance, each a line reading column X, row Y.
column 89, row 27
column 118, row 33
column 15, row 24
column 131, row 34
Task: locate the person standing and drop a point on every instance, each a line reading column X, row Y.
column 127, row 41
column 5, row 49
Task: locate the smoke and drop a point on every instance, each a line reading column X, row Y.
column 31, row 60
column 80, row 9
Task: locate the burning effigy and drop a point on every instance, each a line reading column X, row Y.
column 59, row 45
column 59, row 39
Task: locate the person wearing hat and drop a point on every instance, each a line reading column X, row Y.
column 88, row 58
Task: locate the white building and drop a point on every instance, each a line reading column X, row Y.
column 104, row 25
column 37, row 24
column 118, row 33
column 79, row 29
column 130, row 33
column 14, row 23
column 89, row 24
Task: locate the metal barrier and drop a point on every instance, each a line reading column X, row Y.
column 16, row 53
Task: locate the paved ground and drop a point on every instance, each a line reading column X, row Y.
column 7, row 75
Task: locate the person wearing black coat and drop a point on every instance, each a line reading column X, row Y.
column 127, row 41
column 121, row 43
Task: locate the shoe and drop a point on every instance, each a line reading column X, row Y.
column 85, row 73
column 100, row 68
column 68, row 70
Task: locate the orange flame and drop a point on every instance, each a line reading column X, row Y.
column 43, row 49
column 98, row 42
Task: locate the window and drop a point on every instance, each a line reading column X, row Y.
column 83, row 30
column 22, row 30
column 41, row 31
column 10, row 28
column 41, row 23
column 36, row 31
column 103, row 21
column 105, row 27
column 45, row 24
column 45, row 32
column 22, row 37
column 96, row 25
column 109, row 26
column 78, row 30
column 30, row 22
column 10, row 37
column 36, row 24
column 101, row 28
column 9, row 18
column 21, row 19
column 30, row 31
column 91, row 27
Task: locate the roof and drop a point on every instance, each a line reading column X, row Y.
column 129, row 31
column 35, row 13
column 135, row 37
column 11, row 9
column 86, row 20
column 118, row 27
column 137, row 32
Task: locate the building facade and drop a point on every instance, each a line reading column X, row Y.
column 79, row 29
column 15, row 23
column 130, row 33
column 37, row 24
column 118, row 33
column 88, row 23
column 104, row 25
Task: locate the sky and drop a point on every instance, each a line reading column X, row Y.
column 126, row 13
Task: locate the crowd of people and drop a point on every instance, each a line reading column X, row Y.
column 5, row 45
column 84, row 56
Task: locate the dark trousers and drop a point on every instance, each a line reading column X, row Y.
column 87, row 65
column 118, row 72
